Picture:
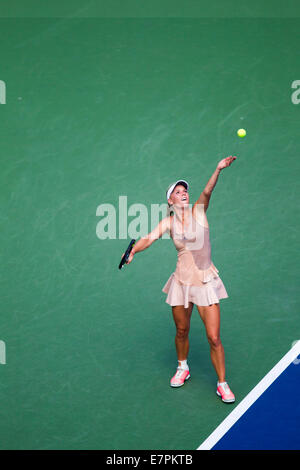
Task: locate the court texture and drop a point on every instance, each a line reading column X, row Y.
column 96, row 105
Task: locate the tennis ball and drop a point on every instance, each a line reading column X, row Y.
column 241, row 132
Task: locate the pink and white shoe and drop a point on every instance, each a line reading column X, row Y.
column 180, row 377
column 225, row 393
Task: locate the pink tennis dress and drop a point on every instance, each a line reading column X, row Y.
column 196, row 278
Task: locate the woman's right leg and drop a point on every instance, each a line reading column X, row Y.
column 182, row 318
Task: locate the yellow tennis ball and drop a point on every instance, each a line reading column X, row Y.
column 241, row 132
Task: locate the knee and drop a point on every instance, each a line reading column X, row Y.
column 182, row 333
column 214, row 341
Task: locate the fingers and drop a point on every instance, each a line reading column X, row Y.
column 230, row 159
column 130, row 258
column 126, row 262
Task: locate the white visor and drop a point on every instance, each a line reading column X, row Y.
column 173, row 185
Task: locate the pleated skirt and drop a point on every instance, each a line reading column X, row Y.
column 180, row 294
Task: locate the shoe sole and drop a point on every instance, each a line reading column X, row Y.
column 180, row 385
column 225, row 401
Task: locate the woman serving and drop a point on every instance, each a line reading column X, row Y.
column 196, row 280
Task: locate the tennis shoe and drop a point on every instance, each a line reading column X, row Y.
column 225, row 393
column 180, row 377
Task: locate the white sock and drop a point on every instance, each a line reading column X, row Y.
column 183, row 364
column 221, row 383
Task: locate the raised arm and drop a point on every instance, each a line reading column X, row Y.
column 147, row 241
column 206, row 193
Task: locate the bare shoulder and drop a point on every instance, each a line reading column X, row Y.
column 199, row 213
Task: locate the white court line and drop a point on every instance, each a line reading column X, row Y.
column 252, row 396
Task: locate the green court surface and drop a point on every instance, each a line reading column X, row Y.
column 98, row 108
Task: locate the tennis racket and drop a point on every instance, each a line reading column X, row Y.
column 126, row 254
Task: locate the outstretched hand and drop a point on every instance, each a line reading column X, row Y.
column 225, row 162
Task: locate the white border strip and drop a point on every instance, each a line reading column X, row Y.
column 252, row 396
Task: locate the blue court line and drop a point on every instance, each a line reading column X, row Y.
column 268, row 417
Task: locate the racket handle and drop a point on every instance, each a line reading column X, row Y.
column 127, row 253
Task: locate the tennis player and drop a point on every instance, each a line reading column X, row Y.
column 196, row 280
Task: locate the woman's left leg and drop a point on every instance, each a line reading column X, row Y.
column 211, row 319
